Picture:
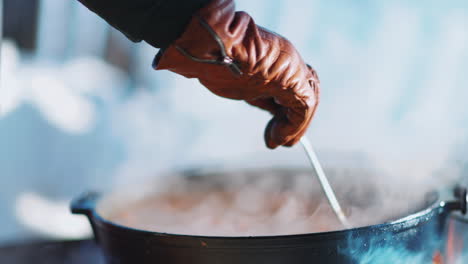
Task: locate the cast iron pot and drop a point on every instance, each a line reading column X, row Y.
column 419, row 237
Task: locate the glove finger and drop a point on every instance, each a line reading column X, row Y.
column 267, row 104
column 267, row 134
column 299, row 135
column 289, row 125
column 271, row 106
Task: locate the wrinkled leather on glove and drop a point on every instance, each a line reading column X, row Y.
column 234, row 58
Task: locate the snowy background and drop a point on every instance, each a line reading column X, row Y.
column 84, row 110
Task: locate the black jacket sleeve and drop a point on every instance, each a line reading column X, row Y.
column 158, row 22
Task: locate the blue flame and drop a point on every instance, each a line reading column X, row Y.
column 416, row 245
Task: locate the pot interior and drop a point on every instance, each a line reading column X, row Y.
column 256, row 203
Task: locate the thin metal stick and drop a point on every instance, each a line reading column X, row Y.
column 326, row 187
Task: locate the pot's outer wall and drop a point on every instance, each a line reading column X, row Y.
column 344, row 247
column 123, row 245
column 456, row 246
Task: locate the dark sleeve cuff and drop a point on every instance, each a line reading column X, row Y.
column 158, row 22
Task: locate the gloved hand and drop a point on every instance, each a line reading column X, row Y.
column 236, row 59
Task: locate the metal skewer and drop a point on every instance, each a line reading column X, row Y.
column 325, row 184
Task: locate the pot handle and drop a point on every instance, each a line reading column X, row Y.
column 461, row 194
column 461, row 204
column 85, row 203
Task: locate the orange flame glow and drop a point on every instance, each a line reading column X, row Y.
column 437, row 258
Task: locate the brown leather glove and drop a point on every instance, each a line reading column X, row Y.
column 236, row 59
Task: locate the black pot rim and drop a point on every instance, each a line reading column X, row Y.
column 420, row 217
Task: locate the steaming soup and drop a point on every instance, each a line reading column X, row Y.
column 244, row 205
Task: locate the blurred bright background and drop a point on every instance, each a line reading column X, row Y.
column 81, row 107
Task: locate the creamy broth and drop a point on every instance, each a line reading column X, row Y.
column 249, row 205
